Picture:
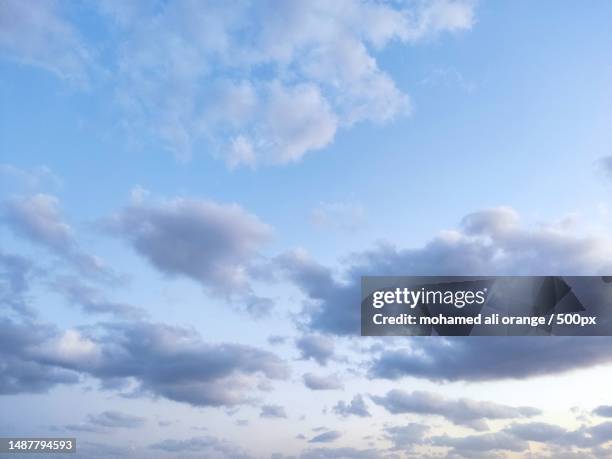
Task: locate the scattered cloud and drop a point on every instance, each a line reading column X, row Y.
column 210, row 447
column 484, row 359
column 318, row 382
column 116, row 419
column 37, row 33
column 162, row 360
column 316, row 347
column 326, row 437
column 605, row 165
column 406, row 437
column 15, row 275
column 604, row 411
column 38, row 219
column 103, row 422
column 463, row 411
column 32, row 179
column 478, row 444
column 272, row 411
column 208, row 242
column 341, row 453
column 356, row 407
column 276, row 340
column 263, row 83
column 491, row 241
column 92, row 300
column 20, row 373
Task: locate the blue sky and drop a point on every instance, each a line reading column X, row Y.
column 182, row 181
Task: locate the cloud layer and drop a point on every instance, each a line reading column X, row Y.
column 260, row 84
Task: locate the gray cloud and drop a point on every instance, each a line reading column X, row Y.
column 107, row 420
column 38, row 219
column 35, row 178
column 20, row 373
column 326, row 437
column 15, row 275
column 484, row 443
column 210, row 447
column 463, row 411
column 316, row 347
column 605, row 164
column 276, row 340
column 356, row 407
column 36, row 33
column 272, row 411
column 603, row 411
column 93, row 301
column 318, row 382
column 485, row 359
column 208, row 242
column 407, row 436
column 163, row 360
column 490, row 241
column 257, row 307
column 116, row 419
column 336, row 312
column 537, row 431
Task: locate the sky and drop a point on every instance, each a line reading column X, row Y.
column 190, row 192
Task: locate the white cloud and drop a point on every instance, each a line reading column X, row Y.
column 35, row 33
column 259, row 83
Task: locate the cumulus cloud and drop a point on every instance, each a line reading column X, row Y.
column 491, row 242
column 463, row 411
column 485, row 359
column 189, row 72
column 326, row 437
column 162, row 360
column 38, row 218
column 272, row 411
column 406, row 437
column 37, row 33
column 208, row 242
column 20, row 373
column 356, row 407
column 316, row 347
column 318, row 382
